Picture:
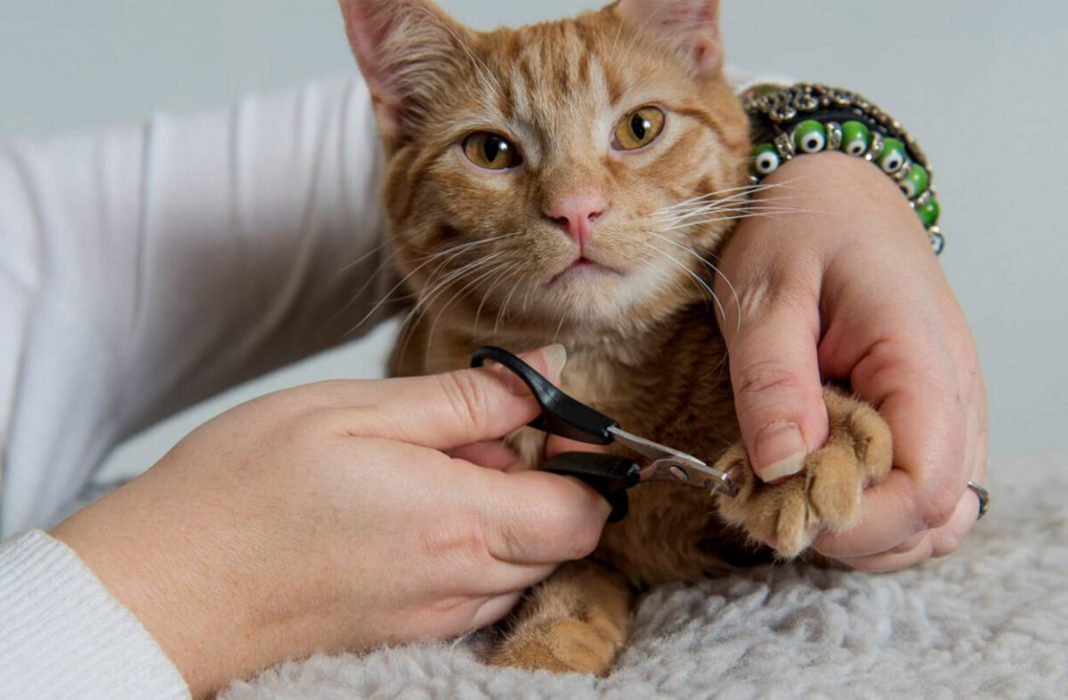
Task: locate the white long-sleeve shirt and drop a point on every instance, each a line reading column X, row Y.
column 143, row 269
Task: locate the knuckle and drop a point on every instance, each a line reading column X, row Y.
column 944, row 543
column 300, row 428
column 465, row 396
column 766, row 377
column 941, row 506
column 459, row 539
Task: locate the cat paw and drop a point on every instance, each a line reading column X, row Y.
column 826, row 494
column 560, row 646
column 574, row 622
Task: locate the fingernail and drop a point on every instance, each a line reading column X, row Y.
column 555, row 359
column 780, row 451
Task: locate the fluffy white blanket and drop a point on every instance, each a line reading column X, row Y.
column 989, row 621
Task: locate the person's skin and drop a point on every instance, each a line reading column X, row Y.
column 332, row 517
column 848, row 288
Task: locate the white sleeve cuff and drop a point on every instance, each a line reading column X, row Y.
column 64, row 636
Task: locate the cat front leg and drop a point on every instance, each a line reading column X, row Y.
column 826, row 494
column 574, row 622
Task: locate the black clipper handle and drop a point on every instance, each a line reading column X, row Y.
column 609, row 475
column 560, row 415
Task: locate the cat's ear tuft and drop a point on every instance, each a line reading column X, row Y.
column 407, row 51
column 690, row 27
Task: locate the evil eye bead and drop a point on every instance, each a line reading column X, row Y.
column 892, row 157
column 929, row 212
column 765, row 160
column 810, row 136
column 915, row 181
column 938, row 243
column 856, row 138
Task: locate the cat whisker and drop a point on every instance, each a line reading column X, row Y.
column 504, row 274
column 715, row 271
column 733, row 217
column 480, row 66
column 467, row 245
column 365, row 256
column 435, row 288
column 493, row 269
column 700, row 282
column 439, row 287
column 445, row 256
column 559, row 326
column 729, row 197
column 503, row 311
column 731, row 194
column 385, row 265
column 720, row 205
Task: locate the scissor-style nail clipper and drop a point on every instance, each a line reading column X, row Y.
column 610, row 475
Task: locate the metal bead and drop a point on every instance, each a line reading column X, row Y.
column 785, row 146
column 834, row 136
column 807, row 103
column 876, row 146
column 783, row 113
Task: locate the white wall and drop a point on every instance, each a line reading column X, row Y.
column 980, row 82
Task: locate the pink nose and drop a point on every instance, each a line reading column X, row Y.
column 576, row 213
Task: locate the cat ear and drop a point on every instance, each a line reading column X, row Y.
column 406, row 50
column 690, row 27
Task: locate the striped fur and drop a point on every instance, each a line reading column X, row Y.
column 481, row 257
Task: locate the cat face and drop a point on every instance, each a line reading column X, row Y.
column 557, row 175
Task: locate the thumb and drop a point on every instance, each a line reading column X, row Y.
column 778, row 395
column 454, row 409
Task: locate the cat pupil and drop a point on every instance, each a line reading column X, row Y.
column 494, row 148
column 640, row 126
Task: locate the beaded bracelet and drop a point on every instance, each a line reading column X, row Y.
column 810, row 118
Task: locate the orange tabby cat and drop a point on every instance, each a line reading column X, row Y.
column 568, row 182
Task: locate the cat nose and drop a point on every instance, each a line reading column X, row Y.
column 576, row 213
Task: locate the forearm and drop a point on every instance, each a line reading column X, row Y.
column 144, row 269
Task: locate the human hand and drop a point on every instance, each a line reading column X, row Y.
column 848, row 288
column 330, row 517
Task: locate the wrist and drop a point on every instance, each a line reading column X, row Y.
column 808, row 119
column 162, row 583
column 835, row 200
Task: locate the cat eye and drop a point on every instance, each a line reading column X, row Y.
column 639, row 128
column 491, row 151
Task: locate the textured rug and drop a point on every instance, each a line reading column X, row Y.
column 989, row 621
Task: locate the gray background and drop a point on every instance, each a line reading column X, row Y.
column 980, row 83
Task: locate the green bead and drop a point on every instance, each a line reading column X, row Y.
column 810, row 136
column 929, row 213
column 892, row 156
column 856, row 138
column 915, row 182
column 764, row 160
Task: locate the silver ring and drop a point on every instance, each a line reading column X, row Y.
column 984, row 498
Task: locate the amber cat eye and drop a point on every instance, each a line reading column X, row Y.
column 639, row 128
column 491, row 151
